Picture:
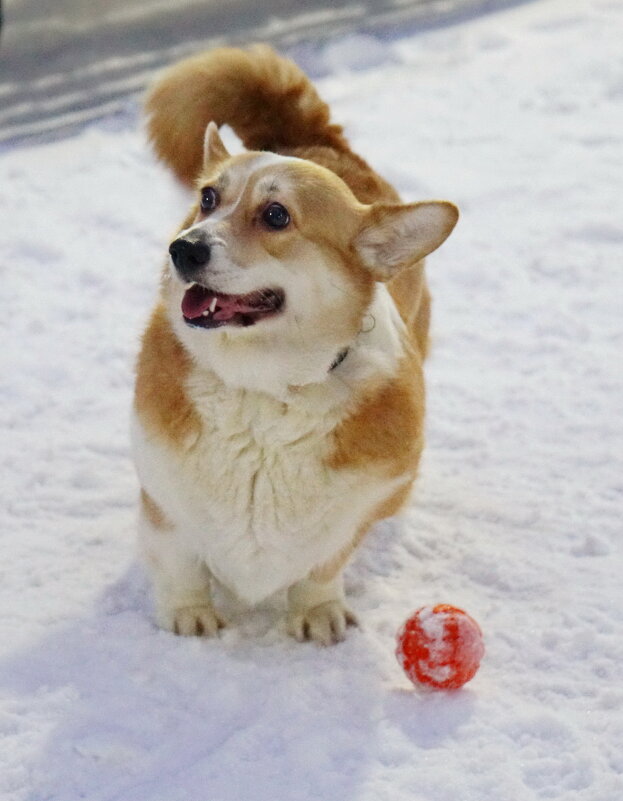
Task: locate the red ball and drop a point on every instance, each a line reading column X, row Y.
column 440, row 647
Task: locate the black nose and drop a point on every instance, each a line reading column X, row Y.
column 189, row 257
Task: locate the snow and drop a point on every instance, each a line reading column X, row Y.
column 516, row 517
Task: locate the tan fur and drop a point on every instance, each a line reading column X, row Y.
column 153, row 512
column 283, row 110
column 364, row 183
column 386, row 427
column 160, row 396
column 412, row 298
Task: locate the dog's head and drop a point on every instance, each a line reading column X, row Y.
column 275, row 273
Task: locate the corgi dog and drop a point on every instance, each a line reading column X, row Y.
column 279, row 400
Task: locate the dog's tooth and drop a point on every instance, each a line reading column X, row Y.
column 212, row 305
column 205, row 313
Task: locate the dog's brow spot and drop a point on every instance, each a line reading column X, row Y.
column 269, row 186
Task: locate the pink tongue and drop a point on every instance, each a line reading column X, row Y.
column 197, row 300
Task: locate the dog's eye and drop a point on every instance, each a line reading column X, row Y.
column 209, row 198
column 276, row 216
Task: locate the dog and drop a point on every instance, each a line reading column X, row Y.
column 279, row 399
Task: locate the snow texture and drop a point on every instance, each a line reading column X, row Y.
column 516, row 516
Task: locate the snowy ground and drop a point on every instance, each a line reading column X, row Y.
column 517, row 514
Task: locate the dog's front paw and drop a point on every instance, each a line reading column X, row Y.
column 325, row 624
column 192, row 621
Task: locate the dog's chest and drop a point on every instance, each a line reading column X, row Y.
column 253, row 494
column 262, row 462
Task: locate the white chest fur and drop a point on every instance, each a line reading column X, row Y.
column 253, row 497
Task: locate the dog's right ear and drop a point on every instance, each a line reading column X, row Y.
column 213, row 148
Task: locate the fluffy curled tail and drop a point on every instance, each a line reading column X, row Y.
column 268, row 101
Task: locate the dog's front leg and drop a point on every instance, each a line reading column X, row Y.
column 180, row 580
column 317, row 611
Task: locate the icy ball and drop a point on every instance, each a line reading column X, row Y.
column 440, row 647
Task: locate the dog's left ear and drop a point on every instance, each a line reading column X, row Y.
column 213, row 148
column 395, row 236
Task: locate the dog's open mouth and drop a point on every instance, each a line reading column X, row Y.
column 204, row 308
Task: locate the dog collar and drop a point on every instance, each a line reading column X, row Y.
column 339, row 359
